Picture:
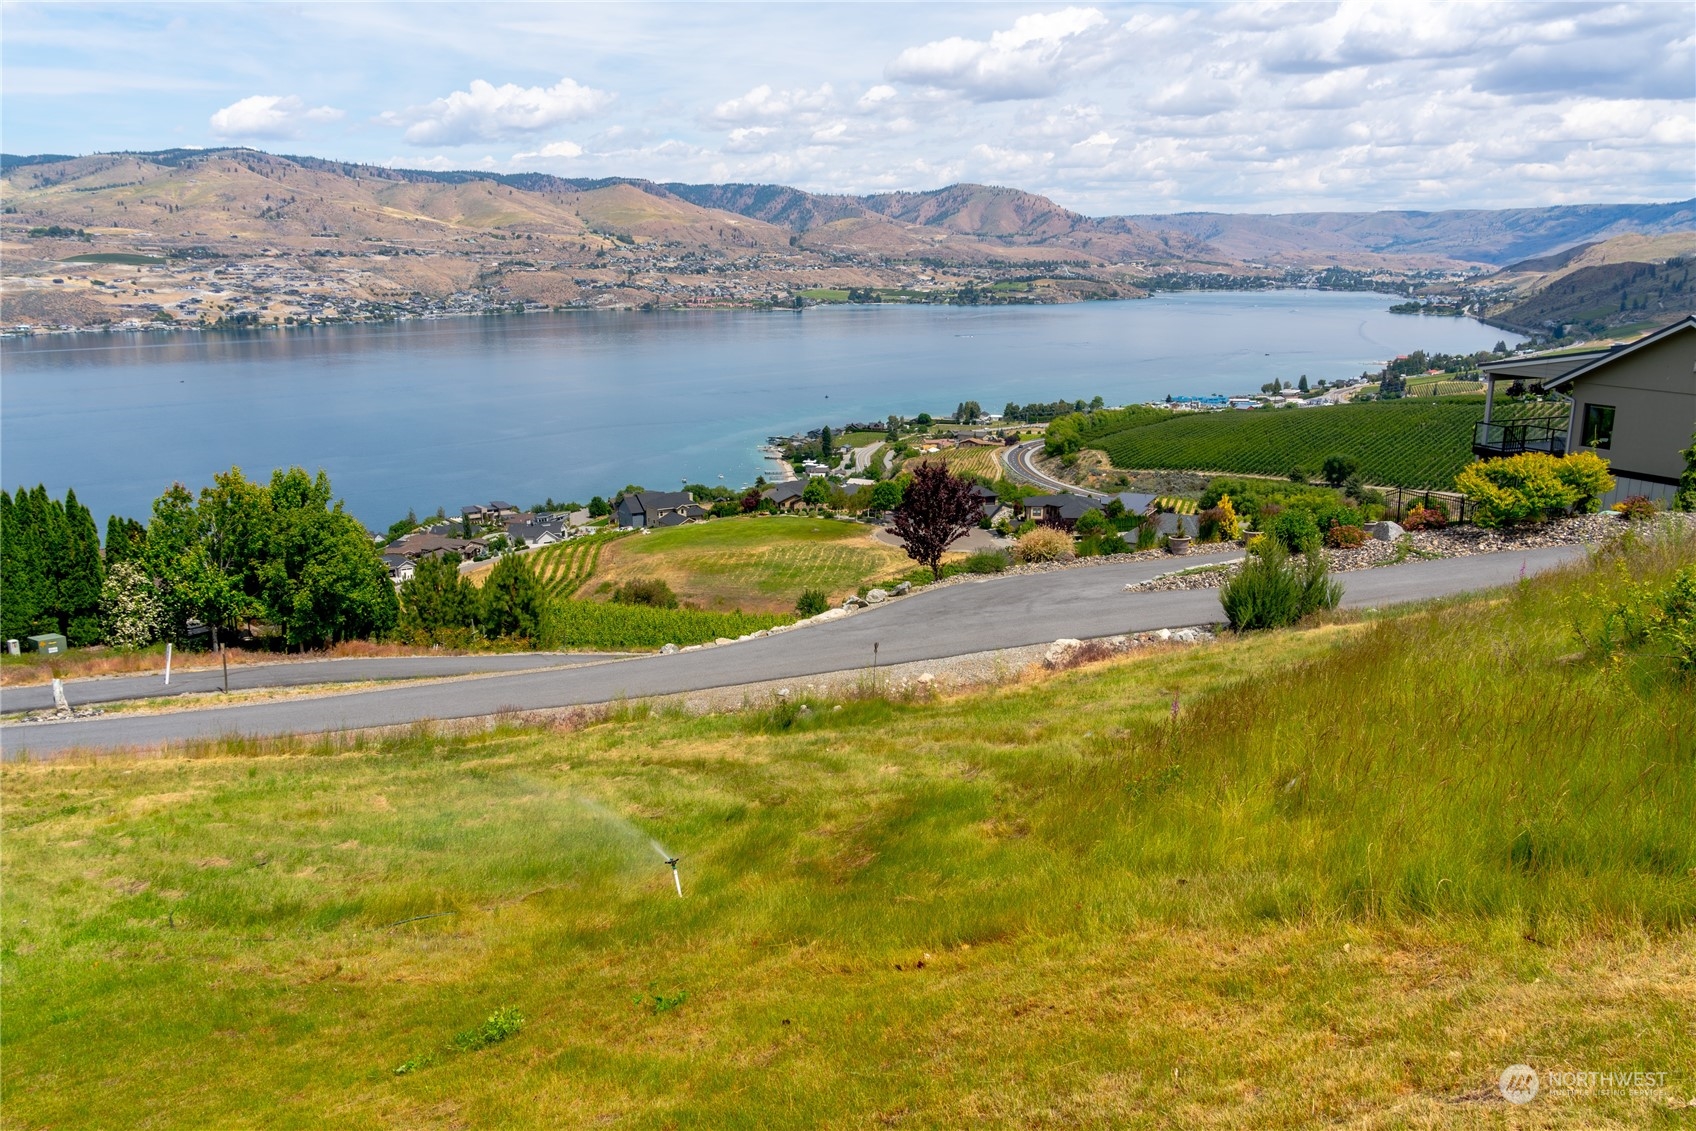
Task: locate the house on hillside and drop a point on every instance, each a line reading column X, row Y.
column 641, row 509
column 415, row 546
column 1059, row 511
column 399, row 566
column 988, row 501
column 1634, row 405
column 537, row 531
column 786, row 495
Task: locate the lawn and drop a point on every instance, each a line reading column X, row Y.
column 752, row 564
column 1417, row 442
column 1340, row 876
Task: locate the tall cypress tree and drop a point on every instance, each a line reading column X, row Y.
column 126, row 541
column 20, row 568
column 79, row 586
column 52, row 546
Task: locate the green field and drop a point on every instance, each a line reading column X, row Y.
column 753, row 564
column 1341, row 876
column 618, row 628
column 121, row 258
column 1417, row 442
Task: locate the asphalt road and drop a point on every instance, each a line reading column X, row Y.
column 998, row 612
column 301, row 673
column 1019, row 461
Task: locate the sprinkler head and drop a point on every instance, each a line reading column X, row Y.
column 672, row 860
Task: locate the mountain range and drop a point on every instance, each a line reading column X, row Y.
column 535, row 237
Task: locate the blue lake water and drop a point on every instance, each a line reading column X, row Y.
column 444, row 413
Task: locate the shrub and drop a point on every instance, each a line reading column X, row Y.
column 1344, row 537
column 1338, row 469
column 1220, row 522
column 1092, row 523
column 597, row 626
column 1532, row 487
column 1585, row 473
column 502, row 1023
column 1636, row 507
column 1425, row 518
column 650, row 591
column 1274, row 591
column 1044, row 544
column 987, row 561
column 1297, row 531
column 811, row 603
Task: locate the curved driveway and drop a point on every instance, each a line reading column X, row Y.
column 998, row 612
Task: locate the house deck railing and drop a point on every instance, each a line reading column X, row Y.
column 1494, row 438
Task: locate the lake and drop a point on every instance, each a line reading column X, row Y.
column 444, row 413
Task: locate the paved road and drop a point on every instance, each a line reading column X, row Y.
column 999, row 612
column 301, row 673
column 1020, row 463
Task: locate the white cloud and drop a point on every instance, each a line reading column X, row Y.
column 270, row 116
column 765, row 102
column 565, row 149
column 880, row 93
column 1031, row 59
column 487, row 112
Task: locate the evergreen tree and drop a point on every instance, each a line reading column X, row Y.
column 435, row 598
column 126, row 541
column 21, row 584
column 511, row 599
column 824, row 444
column 82, row 576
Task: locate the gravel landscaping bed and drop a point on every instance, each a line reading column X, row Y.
column 1456, row 542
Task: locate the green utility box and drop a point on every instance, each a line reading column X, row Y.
column 49, row 643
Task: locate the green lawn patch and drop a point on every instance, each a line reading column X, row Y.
column 122, row 258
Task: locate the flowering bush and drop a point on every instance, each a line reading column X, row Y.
column 1425, row 518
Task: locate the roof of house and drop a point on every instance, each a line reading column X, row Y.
column 1068, row 506
column 474, row 508
column 1136, row 502
column 672, row 518
column 647, row 502
column 417, row 545
column 393, row 560
column 782, row 492
column 1184, row 524
column 979, row 491
column 500, row 506
column 1688, row 323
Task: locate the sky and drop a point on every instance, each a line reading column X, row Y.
column 1107, row 109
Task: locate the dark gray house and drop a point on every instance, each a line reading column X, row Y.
column 656, row 508
column 1061, row 511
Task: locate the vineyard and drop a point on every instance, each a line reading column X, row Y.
column 619, row 628
column 973, row 460
column 1407, row 443
column 562, row 569
column 758, row 564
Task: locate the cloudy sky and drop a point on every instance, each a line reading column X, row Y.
column 1106, row 108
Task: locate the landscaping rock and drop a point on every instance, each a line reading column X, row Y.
column 1059, row 651
column 904, row 588
column 668, row 649
column 877, row 596
column 1386, row 531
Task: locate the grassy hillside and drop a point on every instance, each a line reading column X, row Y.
column 753, row 564
column 1353, row 876
column 1407, row 443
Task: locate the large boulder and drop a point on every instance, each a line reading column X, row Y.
column 1387, row 531
column 877, row 596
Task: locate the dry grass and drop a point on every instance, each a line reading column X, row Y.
column 963, row 461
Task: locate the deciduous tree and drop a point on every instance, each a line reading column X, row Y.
column 936, row 509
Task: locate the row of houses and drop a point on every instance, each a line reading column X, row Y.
column 444, row 538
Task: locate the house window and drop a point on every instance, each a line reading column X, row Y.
column 1598, row 425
